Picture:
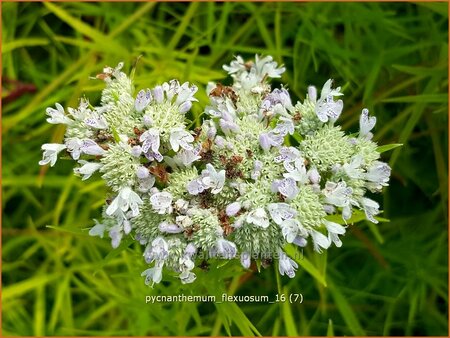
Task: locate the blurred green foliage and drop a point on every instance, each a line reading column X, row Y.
column 387, row 279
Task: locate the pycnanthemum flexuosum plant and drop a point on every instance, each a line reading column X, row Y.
column 261, row 171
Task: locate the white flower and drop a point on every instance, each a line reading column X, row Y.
column 82, row 112
column 346, row 213
column 157, row 250
column 366, row 124
column 145, row 184
column 158, row 94
column 235, row 66
column 186, row 94
column 87, row 169
column 150, row 140
column 152, row 155
column 353, row 169
column 300, row 241
column 314, row 176
column 312, row 93
column 286, row 266
column 153, row 274
column 329, row 109
column 233, row 208
column 286, row 187
column 270, row 139
column 51, row 151
column 171, row 89
column 284, row 126
column 142, row 172
column 334, row 230
column 162, row 202
column 297, row 172
column 126, row 226
column 337, row 194
column 280, row 212
column 170, row 228
column 258, row 217
column 190, row 250
column 228, row 126
column 327, row 90
column 186, row 265
column 378, row 174
column 185, row 107
column 319, row 240
column 213, row 179
column 277, row 103
column 96, row 121
column 74, row 147
column 211, row 129
column 126, row 199
column 181, row 138
column 57, row 115
column 266, row 66
column 97, row 230
column 245, row 260
column 143, row 99
column 187, row 157
column 89, row 147
column 115, row 233
column 290, row 229
column 136, row 151
column 226, row 249
column 195, row 187
column 326, row 107
column 288, row 155
column 370, row 208
column 147, row 120
column 256, row 172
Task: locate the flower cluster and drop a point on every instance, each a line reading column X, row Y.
column 259, row 173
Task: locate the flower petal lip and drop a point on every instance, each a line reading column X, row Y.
column 143, row 99
column 51, row 151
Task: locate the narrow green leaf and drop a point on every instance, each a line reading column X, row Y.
column 289, row 322
column 305, row 264
column 387, row 147
column 424, row 98
column 36, row 102
column 330, row 331
column 88, row 31
column 183, row 25
column 39, row 312
column 20, row 43
column 25, row 286
column 346, row 311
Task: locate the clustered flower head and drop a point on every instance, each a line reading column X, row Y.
column 260, row 172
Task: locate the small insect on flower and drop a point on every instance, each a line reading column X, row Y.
column 224, row 91
column 206, row 153
column 297, row 117
column 103, row 136
column 197, row 133
column 107, row 73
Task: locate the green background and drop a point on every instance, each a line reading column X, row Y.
column 387, row 279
